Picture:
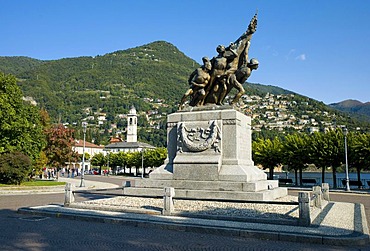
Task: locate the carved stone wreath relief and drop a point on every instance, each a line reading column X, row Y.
column 198, row 139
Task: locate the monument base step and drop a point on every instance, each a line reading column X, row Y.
column 237, row 186
column 266, row 195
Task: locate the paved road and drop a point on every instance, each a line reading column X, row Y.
column 25, row 232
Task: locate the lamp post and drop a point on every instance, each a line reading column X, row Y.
column 108, row 163
column 345, row 132
column 84, row 125
column 142, row 163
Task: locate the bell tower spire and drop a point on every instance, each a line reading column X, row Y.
column 132, row 125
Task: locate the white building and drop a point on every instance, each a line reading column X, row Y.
column 131, row 144
column 90, row 148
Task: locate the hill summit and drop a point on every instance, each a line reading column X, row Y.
column 111, row 83
column 353, row 106
column 153, row 78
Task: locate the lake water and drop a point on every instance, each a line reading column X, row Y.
column 328, row 177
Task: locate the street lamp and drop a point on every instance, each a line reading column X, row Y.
column 345, row 132
column 142, row 163
column 84, row 125
column 108, row 163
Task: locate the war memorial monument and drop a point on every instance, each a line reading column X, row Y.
column 209, row 142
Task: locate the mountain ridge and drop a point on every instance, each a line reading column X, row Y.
column 353, row 106
column 72, row 89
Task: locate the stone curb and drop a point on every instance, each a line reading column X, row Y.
column 192, row 225
column 38, row 190
column 89, row 185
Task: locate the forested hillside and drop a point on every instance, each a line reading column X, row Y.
column 153, row 78
column 17, row 65
column 355, row 107
column 110, row 83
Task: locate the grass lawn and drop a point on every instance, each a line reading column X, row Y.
column 37, row 183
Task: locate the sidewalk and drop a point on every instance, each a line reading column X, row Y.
column 76, row 182
column 342, row 224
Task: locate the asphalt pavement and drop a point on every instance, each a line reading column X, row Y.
column 342, row 224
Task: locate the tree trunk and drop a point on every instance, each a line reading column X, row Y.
column 271, row 173
column 296, row 177
column 300, row 176
column 334, row 177
column 323, row 175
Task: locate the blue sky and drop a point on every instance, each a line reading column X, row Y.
column 320, row 49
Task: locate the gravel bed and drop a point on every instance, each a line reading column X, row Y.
column 204, row 207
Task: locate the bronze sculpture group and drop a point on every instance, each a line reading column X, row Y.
column 211, row 83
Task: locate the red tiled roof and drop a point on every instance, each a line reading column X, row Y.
column 80, row 143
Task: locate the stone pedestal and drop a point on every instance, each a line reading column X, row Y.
column 210, row 156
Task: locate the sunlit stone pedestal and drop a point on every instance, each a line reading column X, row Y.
column 209, row 157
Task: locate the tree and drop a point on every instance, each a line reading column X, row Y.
column 155, row 157
column 21, row 127
column 98, row 160
column 14, row 168
column 318, row 151
column 59, row 146
column 295, row 153
column 327, row 150
column 114, row 161
column 267, row 153
column 133, row 159
column 359, row 152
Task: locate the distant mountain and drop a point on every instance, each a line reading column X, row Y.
column 109, row 83
column 152, row 77
column 353, row 107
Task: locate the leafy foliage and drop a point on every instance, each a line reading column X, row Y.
column 321, row 149
column 14, row 168
column 17, row 65
column 327, row 150
column 21, row 127
column 267, row 153
column 294, row 152
column 59, row 146
column 149, row 158
column 112, row 82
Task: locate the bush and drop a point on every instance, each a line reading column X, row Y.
column 14, row 168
